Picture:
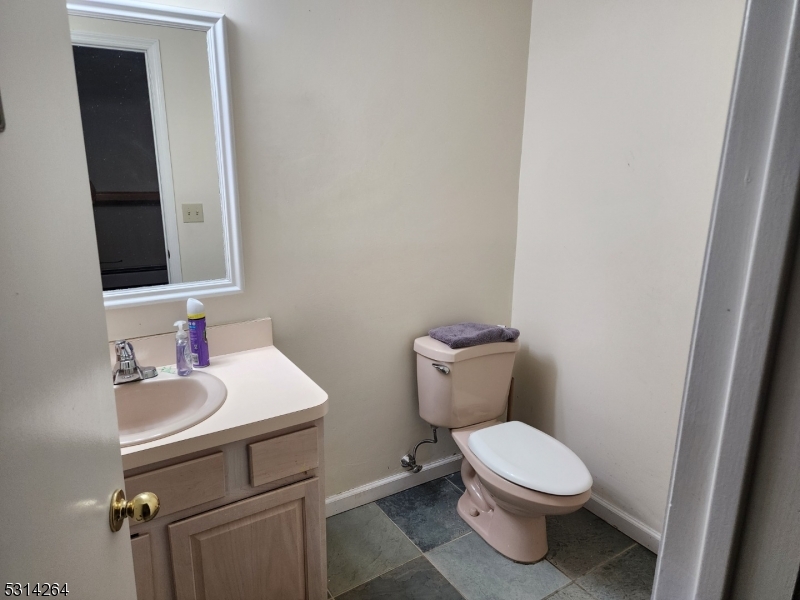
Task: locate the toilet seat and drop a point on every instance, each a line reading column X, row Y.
column 530, row 458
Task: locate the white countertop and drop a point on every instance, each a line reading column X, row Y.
column 266, row 392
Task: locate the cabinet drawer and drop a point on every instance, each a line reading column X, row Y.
column 283, row 456
column 182, row 486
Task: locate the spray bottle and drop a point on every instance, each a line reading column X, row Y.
column 197, row 333
column 183, row 353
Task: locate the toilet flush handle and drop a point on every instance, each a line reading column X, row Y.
column 441, row 368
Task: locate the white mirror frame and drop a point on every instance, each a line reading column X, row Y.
column 214, row 26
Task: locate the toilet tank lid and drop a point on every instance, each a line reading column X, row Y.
column 436, row 350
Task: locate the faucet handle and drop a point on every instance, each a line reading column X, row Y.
column 127, row 368
column 124, row 350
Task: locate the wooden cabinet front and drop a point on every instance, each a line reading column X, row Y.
column 263, row 548
column 183, row 485
column 143, row 567
column 283, row 456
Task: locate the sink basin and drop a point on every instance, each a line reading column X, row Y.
column 155, row 408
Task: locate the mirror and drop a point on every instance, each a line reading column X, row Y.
column 155, row 108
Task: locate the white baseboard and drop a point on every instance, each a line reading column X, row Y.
column 630, row 526
column 390, row 485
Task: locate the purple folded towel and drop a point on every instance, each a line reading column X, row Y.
column 464, row 335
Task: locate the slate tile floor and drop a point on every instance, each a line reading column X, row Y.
column 414, row 546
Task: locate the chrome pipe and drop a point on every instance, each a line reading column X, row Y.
column 409, row 461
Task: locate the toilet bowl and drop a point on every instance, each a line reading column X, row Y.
column 514, row 474
column 509, row 516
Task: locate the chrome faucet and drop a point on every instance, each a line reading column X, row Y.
column 127, row 370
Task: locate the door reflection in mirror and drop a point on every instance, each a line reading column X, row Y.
column 120, row 152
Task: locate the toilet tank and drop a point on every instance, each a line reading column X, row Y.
column 465, row 386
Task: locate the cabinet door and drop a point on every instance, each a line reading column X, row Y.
column 267, row 547
column 143, row 567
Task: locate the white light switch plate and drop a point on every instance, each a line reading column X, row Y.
column 192, row 213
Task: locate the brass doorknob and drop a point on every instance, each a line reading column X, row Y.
column 140, row 508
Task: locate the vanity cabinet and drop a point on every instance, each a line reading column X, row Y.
column 244, row 521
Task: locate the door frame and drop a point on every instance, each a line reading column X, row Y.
column 750, row 248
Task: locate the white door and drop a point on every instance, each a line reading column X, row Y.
column 59, row 451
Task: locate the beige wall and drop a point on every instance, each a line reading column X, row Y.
column 192, row 144
column 378, row 150
column 624, row 123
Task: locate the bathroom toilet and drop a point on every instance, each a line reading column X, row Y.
column 514, row 475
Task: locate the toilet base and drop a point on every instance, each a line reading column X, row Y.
column 522, row 539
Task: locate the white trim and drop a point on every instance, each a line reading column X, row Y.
column 144, row 13
column 740, row 304
column 376, row 490
column 627, row 524
column 214, row 26
column 158, row 115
